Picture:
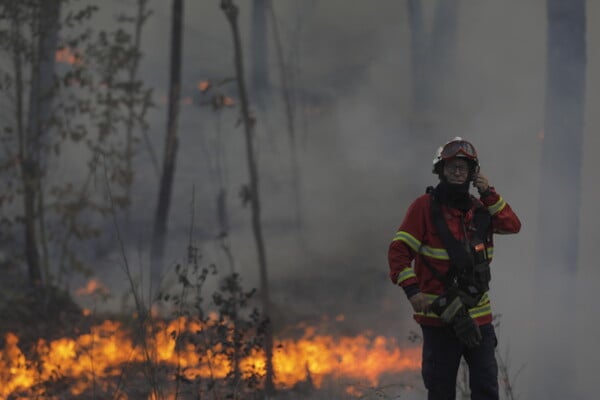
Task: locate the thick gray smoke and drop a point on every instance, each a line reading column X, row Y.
column 359, row 172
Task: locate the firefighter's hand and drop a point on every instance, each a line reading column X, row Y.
column 420, row 303
column 481, row 183
column 466, row 329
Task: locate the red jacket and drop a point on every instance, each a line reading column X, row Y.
column 417, row 235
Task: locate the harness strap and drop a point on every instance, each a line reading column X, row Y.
column 445, row 279
column 461, row 258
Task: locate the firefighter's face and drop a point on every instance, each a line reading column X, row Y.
column 456, row 170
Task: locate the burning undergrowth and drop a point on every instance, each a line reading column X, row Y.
column 189, row 347
column 184, row 357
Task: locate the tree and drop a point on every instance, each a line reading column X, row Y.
column 251, row 192
column 259, row 53
column 433, row 61
column 170, row 152
column 138, row 101
column 559, row 202
column 287, row 98
column 73, row 76
column 39, row 111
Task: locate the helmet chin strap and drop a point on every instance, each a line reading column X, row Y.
column 473, row 173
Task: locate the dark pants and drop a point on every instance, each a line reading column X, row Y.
column 441, row 358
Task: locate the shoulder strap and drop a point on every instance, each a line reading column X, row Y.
column 482, row 219
column 459, row 257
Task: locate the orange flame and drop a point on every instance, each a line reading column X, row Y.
column 228, row 101
column 67, row 56
column 203, row 86
column 92, row 287
column 94, row 358
column 219, row 101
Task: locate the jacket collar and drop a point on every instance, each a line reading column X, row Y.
column 454, row 196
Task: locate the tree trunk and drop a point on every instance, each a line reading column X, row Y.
column 433, row 68
column 33, row 138
column 140, row 19
column 259, row 54
column 286, row 95
column 31, row 249
column 559, row 202
column 444, row 39
column 419, row 44
column 231, row 11
column 40, row 109
column 170, row 154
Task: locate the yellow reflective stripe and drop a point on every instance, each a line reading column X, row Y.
column 431, row 297
column 483, row 308
column 407, row 273
column 409, row 239
column 428, row 314
column 416, row 245
column 497, row 207
column 435, row 252
column 480, row 311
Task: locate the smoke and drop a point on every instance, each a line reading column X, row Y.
column 508, row 67
column 359, row 170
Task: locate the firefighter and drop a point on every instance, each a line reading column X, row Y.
column 441, row 257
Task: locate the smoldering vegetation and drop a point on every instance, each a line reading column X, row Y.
column 360, row 161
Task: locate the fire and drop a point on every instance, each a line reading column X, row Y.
column 92, row 287
column 220, row 100
column 361, row 357
column 67, row 56
column 203, row 86
column 101, row 356
column 228, row 101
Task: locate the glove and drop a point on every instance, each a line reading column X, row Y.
column 452, row 311
column 466, row 330
column 447, row 306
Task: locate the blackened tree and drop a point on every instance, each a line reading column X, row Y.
column 559, row 202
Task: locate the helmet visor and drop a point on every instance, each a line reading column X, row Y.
column 458, row 147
